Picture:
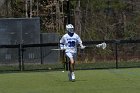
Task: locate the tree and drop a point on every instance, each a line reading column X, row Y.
column 5, row 8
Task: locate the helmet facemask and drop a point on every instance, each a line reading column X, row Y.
column 70, row 29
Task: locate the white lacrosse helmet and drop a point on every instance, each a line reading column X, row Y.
column 70, row 28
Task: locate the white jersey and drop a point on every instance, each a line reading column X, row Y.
column 70, row 43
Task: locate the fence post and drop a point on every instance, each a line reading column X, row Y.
column 19, row 57
column 116, row 52
column 21, row 65
column 41, row 49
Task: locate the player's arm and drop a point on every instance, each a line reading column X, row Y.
column 62, row 43
column 80, row 43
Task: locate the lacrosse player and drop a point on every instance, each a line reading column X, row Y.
column 69, row 43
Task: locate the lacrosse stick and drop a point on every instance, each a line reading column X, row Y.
column 58, row 49
column 102, row 45
column 68, row 48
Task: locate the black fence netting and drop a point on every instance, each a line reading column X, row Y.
column 117, row 54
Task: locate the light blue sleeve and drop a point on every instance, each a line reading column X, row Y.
column 79, row 40
column 62, row 41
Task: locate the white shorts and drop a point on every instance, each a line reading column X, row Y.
column 71, row 55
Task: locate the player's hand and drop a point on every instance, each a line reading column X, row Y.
column 98, row 45
column 64, row 48
column 83, row 47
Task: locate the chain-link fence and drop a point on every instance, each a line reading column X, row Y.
column 118, row 54
column 122, row 54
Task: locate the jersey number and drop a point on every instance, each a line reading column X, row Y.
column 71, row 43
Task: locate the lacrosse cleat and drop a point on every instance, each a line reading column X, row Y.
column 73, row 76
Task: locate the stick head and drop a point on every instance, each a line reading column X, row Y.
column 103, row 45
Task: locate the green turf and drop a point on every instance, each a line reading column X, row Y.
column 87, row 81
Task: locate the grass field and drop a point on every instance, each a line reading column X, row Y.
column 87, row 81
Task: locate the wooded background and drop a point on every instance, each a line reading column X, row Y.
column 93, row 19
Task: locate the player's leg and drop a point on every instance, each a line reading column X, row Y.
column 68, row 68
column 72, row 62
column 71, row 67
